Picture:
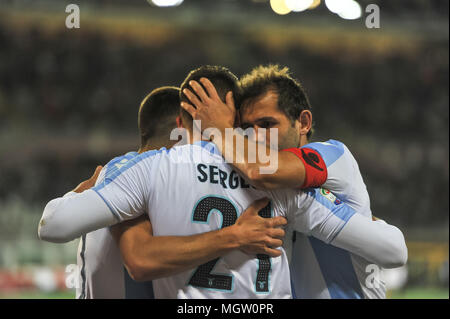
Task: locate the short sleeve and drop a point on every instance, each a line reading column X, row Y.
column 340, row 165
column 125, row 190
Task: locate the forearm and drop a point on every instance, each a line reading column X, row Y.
column 67, row 218
column 376, row 241
column 153, row 257
column 263, row 167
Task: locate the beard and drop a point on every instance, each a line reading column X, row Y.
column 289, row 140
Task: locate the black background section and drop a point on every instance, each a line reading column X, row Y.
column 168, row 308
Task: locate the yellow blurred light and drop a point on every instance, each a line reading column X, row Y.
column 298, row 5
column 314, row 5
column 279, row 7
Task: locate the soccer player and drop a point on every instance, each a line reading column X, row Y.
column 190, row 190
column 99, row 260
column 101, row 269
column 271, row 98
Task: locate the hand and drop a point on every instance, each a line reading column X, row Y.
column 87, row 184
column 258, row 235
column 209, row 109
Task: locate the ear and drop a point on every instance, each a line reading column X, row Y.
column 305, row 120
column 179, row 122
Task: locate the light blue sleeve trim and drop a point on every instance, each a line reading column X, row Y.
column 110, row 167
column 116, row 216
column 340, row 229
column 330, row 150
column 129, row 164
column 341, row 210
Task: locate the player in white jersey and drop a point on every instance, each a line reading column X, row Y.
column 214, row 199
column 130, row 191
column 101, row 269
column 272, row 99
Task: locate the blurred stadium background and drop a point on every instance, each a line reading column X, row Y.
column 69, row 100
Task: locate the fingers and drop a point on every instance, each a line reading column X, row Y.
column 279, row 221
column 274, row 242
column 264, row 250
column 272, row 252
column 210, row 88
column 97, row 172
column 259, row 204
column 189, row 108
column 192, row 97
column 278, row 233
column 256, row 206
column 199, row 90
column 229, row 100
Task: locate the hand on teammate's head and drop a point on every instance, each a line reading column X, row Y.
column 206, row 105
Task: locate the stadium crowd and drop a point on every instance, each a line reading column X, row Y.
column 391, row 109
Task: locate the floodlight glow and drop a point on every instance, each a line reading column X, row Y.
column 334, row 5
column 279, row 7
column 351, row 10
column 314, row 5
column 298, row 5
column 167, row 3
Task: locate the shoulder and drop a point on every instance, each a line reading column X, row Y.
column 204, row 152
column 119, row 161
column 330, row 150
column 120, row 164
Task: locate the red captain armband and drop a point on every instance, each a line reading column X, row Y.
column 315, row 169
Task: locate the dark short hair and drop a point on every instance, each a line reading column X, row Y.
column 292, row 98
column 222, row 79
column 158, row 112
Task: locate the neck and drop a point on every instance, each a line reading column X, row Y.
column 303, row 140
column 155, row 146
column 194, row 136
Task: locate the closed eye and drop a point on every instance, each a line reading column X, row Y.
column 267, row 123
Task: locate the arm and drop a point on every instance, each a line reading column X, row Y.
column 320, row 215
column 148, row 257
column 68, row 217
column 85, row 210
column 376, row 241
column 293, row 170
column 290, row 172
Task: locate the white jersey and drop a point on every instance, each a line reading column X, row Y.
column 101, row 271
column 320, row 270
column 191, row 190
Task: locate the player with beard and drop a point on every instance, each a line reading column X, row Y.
column 133, row 191
column 271, row 98
column 101, row 267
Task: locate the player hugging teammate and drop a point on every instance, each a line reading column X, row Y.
column 210, row 226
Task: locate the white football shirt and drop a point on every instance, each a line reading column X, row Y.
column 323, row 271
column 190, row 190
column 101, row 271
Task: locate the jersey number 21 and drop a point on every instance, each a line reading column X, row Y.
column 203, row 276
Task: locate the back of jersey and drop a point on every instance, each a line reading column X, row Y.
column 103, row 275
column 194, row 191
